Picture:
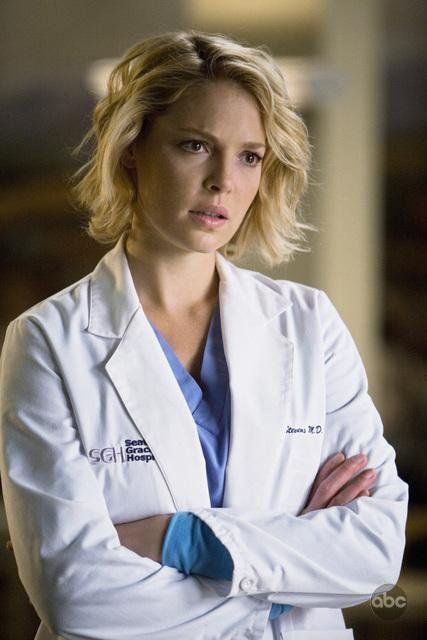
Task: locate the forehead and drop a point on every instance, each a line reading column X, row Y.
column 217, row 107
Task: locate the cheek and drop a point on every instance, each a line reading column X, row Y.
column 174, row 179
column 250, row 189
column 162, row 187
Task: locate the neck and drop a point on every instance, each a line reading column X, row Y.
column 176, row 282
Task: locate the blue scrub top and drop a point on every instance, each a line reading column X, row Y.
column 208, row 402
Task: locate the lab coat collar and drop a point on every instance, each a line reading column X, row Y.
column 114, row 300
column 254, row 296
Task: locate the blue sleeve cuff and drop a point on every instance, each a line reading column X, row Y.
column 191, row 547
column 277, row 610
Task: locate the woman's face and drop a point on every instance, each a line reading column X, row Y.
column 198, row 169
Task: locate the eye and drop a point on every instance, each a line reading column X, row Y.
column 252, row 159
column 194, row 146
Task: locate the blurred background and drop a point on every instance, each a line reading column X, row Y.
column 355, row 70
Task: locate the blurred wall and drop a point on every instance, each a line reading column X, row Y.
column 45, row 51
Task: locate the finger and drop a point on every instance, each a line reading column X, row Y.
column 330, row 465
column 336, row 480
column 356, row 488
column 365, row 493
column 342, row 475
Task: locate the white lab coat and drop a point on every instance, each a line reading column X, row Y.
column 83, row 372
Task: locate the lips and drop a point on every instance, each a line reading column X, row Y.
column 207, row 219
column 212, row 211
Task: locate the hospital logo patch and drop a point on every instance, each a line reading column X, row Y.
column 129, row 451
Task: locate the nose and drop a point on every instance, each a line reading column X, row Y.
column 219, row 178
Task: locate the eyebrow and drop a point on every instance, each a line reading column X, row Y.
column 205, row 134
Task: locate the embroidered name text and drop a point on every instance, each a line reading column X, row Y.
column 314, row 429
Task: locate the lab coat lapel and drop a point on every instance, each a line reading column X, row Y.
column 146, row 384
column 144, row 380
column 260, row 363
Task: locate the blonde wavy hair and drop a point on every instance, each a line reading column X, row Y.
column 154, row 74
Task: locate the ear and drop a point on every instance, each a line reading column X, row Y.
column 128, row 157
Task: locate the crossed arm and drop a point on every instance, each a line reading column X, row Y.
column 338, row 482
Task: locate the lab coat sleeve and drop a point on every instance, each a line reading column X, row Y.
column 334, row 557
column 81, row 581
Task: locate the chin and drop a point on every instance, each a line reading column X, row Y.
column 209, row 249
column 204, row 247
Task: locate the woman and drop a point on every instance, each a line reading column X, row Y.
column 185, row 443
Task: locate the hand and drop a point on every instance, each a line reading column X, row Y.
column 145, row 537
column 339, row 481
